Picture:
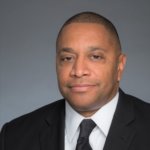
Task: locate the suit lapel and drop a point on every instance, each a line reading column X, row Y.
column 52, row 136
column 122, row 129
column 120, row 135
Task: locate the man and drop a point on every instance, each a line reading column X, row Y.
column 90, row 65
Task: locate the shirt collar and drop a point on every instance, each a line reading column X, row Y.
column 103, row 118
column 73, row 120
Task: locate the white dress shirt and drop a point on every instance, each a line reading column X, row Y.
column 103, row 118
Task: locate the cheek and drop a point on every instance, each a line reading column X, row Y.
column 62, row 75
column 102, row 72
column 107, row 74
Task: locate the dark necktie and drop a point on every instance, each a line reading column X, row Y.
column 86, row 127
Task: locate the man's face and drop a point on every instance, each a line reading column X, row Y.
column 89, row 66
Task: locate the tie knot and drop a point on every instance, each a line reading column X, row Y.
column 86, row 127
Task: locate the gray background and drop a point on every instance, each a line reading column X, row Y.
column 28, row 29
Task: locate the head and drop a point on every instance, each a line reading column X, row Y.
column 89, row 62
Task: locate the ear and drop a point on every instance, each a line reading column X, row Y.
column 121, row 65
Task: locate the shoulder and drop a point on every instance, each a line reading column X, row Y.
column 24, row 131
column 141, row 107
column 139, row 103
column 37, row 117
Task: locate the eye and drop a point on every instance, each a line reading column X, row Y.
column 97, row 57
column 67, row 58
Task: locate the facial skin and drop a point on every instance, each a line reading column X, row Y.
column 89, row 66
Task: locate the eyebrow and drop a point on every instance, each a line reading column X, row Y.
column 66, row 49
column 94, row 48
column 90, row 48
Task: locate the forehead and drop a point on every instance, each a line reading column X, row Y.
column 84, row 33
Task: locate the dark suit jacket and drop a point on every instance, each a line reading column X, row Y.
column 43, row 129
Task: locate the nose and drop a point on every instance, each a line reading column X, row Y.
column 80, row 68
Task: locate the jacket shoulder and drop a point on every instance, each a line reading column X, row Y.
column 23, row 132
column 141, row 107
column 37, row 116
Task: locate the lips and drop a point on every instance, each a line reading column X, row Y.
column 81, row 87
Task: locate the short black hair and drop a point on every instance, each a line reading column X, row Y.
column 92, row 17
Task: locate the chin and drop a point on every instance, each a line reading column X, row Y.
column 82, row 105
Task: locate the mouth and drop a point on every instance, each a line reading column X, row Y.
column 80, row 88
